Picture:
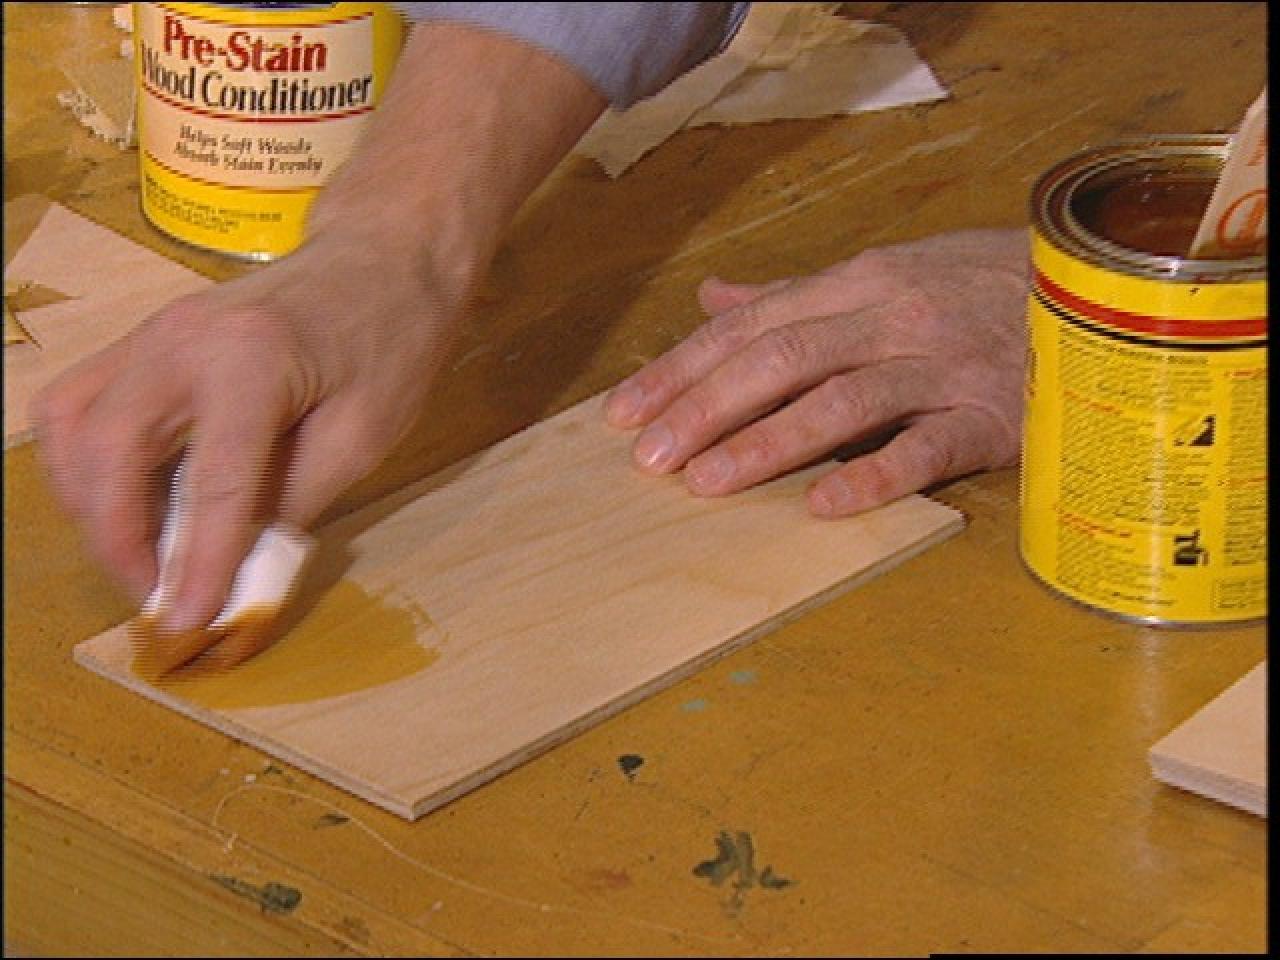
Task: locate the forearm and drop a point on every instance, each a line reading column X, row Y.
column 471, row 123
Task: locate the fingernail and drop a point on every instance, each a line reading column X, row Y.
column 655, row 447
column 711, row 472
column 623, row 405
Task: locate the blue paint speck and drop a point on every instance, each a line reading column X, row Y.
column 743, row 677
column 694, row 706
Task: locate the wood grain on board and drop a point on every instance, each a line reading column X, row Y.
column 1221, row 750
column 454, row 630
column 105, row 285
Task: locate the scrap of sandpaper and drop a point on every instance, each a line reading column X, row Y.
column 72, row 288
column 788, row 61
column 103, row 95
column 1221, row 751
column 1236, row 217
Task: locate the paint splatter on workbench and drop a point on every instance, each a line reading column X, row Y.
column 629, row 763
column 735, row 857
column 271, row 897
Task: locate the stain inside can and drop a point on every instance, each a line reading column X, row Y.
column 1154, row 213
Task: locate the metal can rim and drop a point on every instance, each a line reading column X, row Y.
column 1054, row 191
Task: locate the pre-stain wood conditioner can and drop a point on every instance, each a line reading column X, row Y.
column 1144, row 470
column 246, row 109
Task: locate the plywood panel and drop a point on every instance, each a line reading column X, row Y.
column 1221, row 750
column 106, row 285
column 491, row 611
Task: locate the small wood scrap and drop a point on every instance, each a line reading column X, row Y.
column 22, row 296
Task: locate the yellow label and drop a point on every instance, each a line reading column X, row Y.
column 244, row 113
column 1144, row 472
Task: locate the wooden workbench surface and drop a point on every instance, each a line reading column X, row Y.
column 949, row 758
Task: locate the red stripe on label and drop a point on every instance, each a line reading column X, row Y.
column 1195, row 328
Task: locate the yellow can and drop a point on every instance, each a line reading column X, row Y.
column 1144, row 467
column 245, row 110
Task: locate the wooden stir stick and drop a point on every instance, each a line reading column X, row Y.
column 1235, row 221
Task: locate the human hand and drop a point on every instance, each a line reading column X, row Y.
column 289, row 384
column 927, row 336
column 286, row 386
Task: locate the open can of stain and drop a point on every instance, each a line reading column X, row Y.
column 1144, row 466
column 246, row 109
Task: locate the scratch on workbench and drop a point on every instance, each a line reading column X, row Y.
column 472, row 354
column 1042, row 132
column 957, row 139
column 433, row 871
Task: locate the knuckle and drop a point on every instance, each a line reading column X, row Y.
column 222, row 482
column 878, row 480
column 761, row 447
column 254, row 334
column 779, row 354
column 915, row 310
column 253, row 324
column 696, row 414
column 934, row 459
column 727, row 333
column 837, row 403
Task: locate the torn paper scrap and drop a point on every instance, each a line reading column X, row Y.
column 103, row 94
column 879, row 71
column 14, row 330
column 788, row 61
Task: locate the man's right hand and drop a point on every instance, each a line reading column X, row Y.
column 286, row 386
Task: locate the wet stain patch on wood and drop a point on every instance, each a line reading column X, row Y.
column 351, row 640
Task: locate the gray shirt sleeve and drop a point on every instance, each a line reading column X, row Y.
column 628, row 51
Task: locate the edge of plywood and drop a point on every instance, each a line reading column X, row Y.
column 1228, row 790
column 1195, row 755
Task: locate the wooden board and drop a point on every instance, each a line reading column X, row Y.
column 1221, row 751
column 477, row 618
column 107, row 285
